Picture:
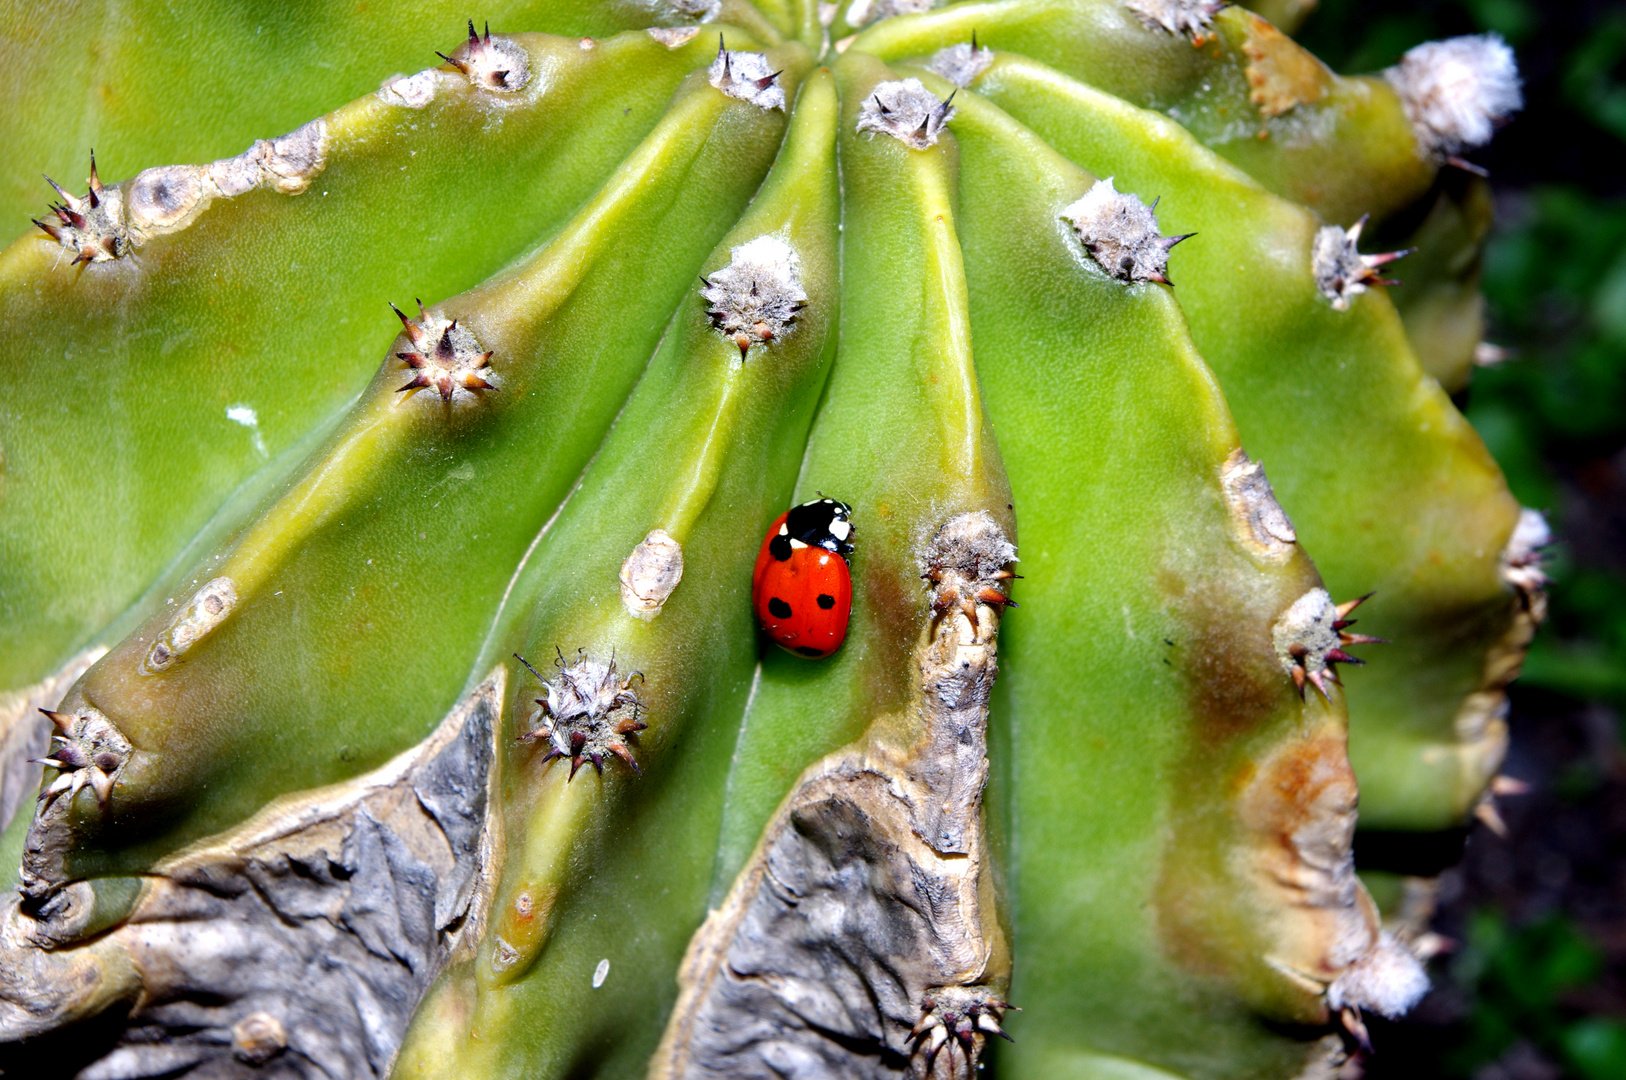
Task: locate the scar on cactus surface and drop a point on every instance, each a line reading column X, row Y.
column 848, row 248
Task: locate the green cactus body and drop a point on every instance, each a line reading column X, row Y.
column 1187, row 701
column 250, row 354
column 1295, row 368
column 416, row 724
column 1342, row 146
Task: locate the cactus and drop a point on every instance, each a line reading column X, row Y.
column 394, row 674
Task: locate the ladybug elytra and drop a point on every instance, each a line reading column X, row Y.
column 801, row 587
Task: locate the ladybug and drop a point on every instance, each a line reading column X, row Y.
column 801, row 587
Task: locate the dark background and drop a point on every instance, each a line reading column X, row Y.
column 1535, row 988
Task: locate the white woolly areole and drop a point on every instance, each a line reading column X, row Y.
column 411, row 91
column 907, row 111
column 960, row 64
column 650, row 574
column 747, row 76
column 496, row 64
column 1521, row 559
column 587, row 714
column 704, row 10
column 1387, row 980
column 1341, row 271
column 1530, row 535
column 1456, row 91
column 674, row 37
column 587, row 688
column 1308, row 625
column 1253, row 504
column 757, row 296
column 1120, row 233
column 1188, row 18
column 863, row 12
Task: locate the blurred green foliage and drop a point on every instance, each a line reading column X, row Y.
column 1522, row 978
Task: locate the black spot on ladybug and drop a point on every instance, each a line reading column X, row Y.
column 779, row 547
column 808, row 650
column 779, row 609
column 826, row 601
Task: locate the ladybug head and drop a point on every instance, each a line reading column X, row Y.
column 823, row 523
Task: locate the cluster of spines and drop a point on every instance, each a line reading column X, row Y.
column 907, row 111
column 1341, row 271
column 86, row 752
column 490, row 64
column 1318, row 675
column 952, row 1017
column 745, row 75
column 440, row 361
column 966, row 565
column 84, row 224
column 576, row 715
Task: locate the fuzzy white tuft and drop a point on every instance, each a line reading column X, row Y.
column 961, row 64
column 1457, row 91
column 1120, row 232
column 1388, row 980
column 907, row 111
column 756, row 298
column 1188, row 18
column 747, row 76
column 864, row 12
column 1341, row 271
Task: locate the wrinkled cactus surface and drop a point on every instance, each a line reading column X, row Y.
column 381, row 691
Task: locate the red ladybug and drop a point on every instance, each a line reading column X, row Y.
column 801, row 587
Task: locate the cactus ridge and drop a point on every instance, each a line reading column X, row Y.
column 913, row 259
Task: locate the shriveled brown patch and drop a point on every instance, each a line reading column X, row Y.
column 1281, row 74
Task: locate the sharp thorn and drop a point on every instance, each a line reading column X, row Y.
column 1468, row 166
column 1354, row 231
column 63, row 721
column 1350, row 605
column 102, row 784
column 1339, row 656
column 1507, row 785
column 50, row 230
column 95, row 180
column 1351, row 1018
column 72, row 202
column 1487, row 813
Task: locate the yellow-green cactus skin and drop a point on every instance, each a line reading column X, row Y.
column 380, row 691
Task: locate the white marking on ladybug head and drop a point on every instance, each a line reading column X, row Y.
column 841, row 528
